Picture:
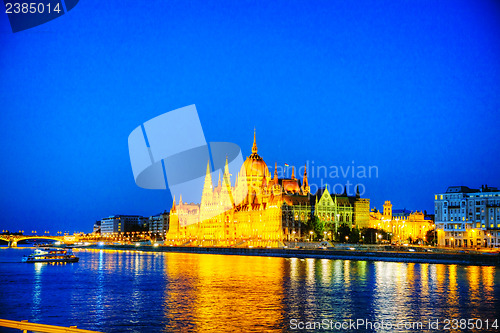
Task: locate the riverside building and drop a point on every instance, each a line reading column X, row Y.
column 468, row 217
column 158, row 224
column 401, row 225
column 122, row 223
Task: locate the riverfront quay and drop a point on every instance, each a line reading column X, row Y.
column 369, row 254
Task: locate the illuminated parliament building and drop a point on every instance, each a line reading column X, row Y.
column 260, row 209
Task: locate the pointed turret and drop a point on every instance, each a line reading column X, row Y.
column 180, row 200
column 276, row 173
column 226, row 173
column 306, row 183
column 293, row 172
column 173, row 206
column 208, row 177
column 227, row 190
column 207, row 194
column 357, row 192
column 218, row 185
column 227, row 176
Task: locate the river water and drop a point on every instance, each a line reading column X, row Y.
column 131, row 291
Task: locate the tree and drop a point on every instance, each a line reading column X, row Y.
column 318, row 228
column 430, row 237
column 342, row 232
column 354, row 236
column 371, row 235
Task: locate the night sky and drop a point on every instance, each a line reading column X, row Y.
column 411, row 87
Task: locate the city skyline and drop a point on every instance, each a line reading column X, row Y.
column 409, row 88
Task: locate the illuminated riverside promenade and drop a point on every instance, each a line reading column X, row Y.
column 422, row 254
column 348, row 252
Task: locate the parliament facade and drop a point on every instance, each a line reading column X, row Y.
column 260, row 209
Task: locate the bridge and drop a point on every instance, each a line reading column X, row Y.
column 13, row 239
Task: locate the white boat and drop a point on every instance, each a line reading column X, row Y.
column 51, row 255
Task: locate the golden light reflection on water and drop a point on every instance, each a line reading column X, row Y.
column 452, row 292
column 217, row 293
column 223, row 293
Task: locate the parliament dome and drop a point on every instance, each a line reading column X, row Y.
column 254, row 166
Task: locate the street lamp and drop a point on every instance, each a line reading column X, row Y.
column 310, row 233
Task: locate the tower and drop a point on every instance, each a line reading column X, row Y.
column 387, row 210
column 305, row 185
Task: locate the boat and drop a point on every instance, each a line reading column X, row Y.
column 51, row 255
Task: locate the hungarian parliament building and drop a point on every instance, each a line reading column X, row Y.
column 261, row 210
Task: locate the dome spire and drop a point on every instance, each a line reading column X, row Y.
column 254, row 147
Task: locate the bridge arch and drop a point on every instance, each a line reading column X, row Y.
column 13, row 239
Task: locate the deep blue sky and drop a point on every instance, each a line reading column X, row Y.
column 412, row 87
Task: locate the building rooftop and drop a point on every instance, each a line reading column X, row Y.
column 465, row 189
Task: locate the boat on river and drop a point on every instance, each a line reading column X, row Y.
column 51, row 255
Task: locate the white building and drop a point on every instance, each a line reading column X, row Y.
column 468, row 217
column 159, row 224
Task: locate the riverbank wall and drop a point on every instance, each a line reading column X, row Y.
column 482, row 259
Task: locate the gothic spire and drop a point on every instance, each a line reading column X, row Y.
column 208, row 176
column 226, row 173
column 305, row 177
column 173, row 205
column 276, row 173
column 254, row 147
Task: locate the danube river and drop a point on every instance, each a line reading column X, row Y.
column 130, row 291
